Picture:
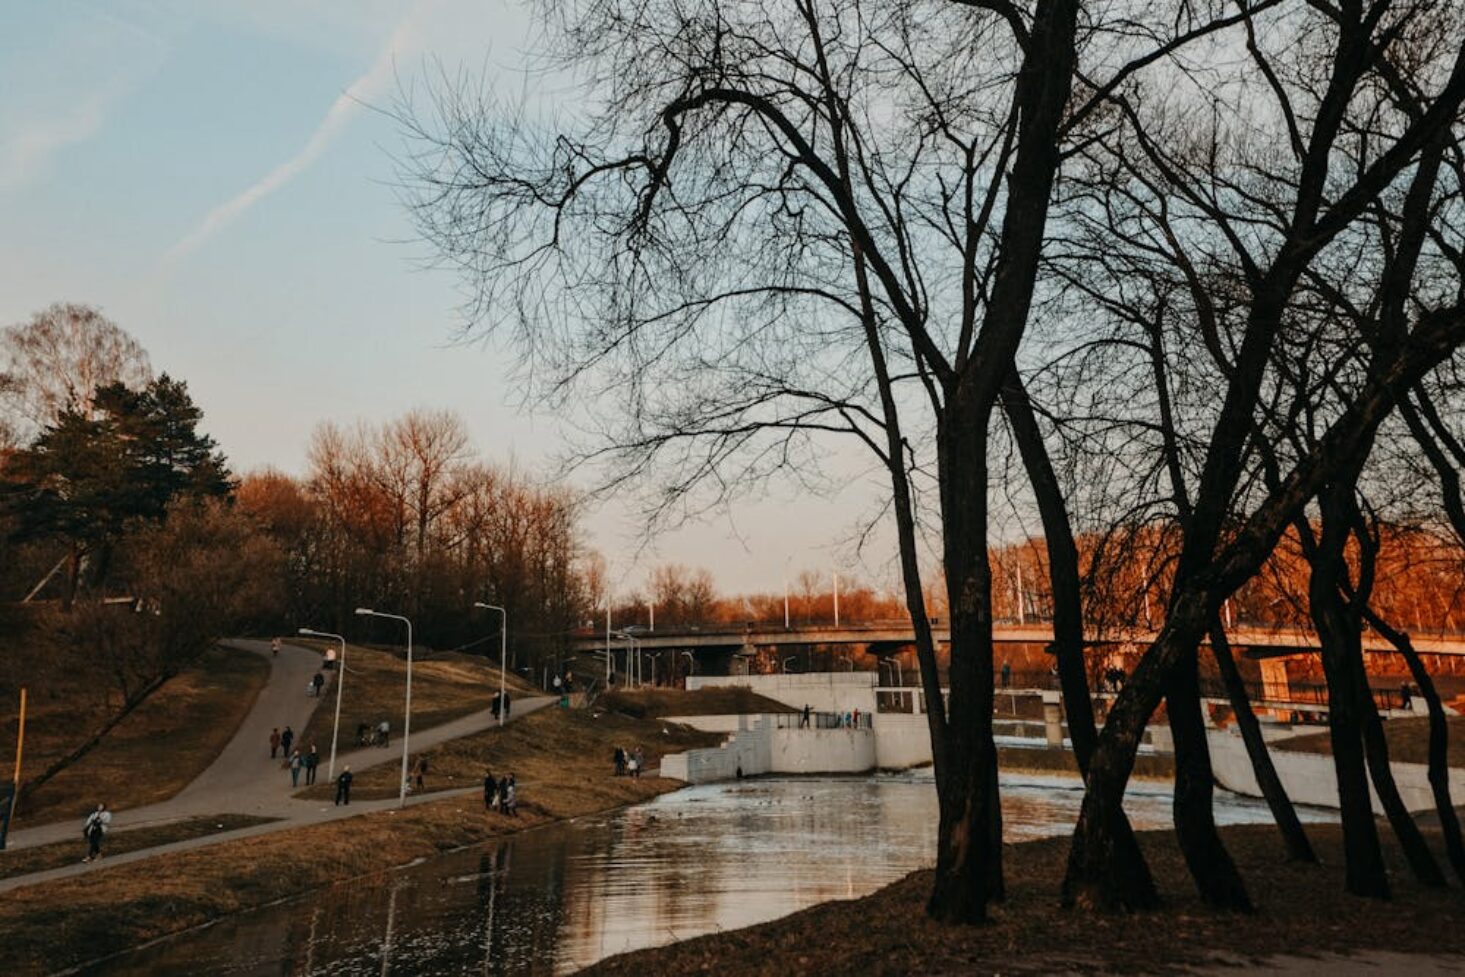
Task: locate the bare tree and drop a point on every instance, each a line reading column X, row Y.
column 59, row 360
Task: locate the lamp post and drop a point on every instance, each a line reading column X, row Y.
column 340, row 679
column 407, row 718
column 503, row 650
column 836, row 598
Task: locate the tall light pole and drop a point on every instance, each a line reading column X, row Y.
column 836, row 598
column 609, row 665
column 651, row 616
column 503, row 650
column 340, row 679
column 785, row 590
column 407, row 719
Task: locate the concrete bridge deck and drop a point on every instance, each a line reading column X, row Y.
column 1259, row 642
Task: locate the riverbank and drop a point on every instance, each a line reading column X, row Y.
column 59, row 924
column 1302, row 910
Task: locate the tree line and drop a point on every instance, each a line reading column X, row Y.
column 1182, row 280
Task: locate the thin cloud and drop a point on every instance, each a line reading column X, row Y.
column 368, row 85
column 24, row 154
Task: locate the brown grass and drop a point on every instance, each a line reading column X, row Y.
column 1148, row 766
column 562, row 759
column 554, row 750
column 712, row 701
column 1408, row 741
column 1303, row 909
column 42, row 858
column 445, row 686
column 152, row 755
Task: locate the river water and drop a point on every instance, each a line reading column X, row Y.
column 555, row 899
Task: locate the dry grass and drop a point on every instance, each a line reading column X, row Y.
column 445, row 686
column 562, row 759
column 1147, row 766
column 712, row 701
column 561, row 751
column 41, row 858
column 1303, row 909
column 152, row 755
column 1408, row 741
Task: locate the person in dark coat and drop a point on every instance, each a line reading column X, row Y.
column 286, row 739
column 274, row 742
column 312, row 760
column 343, row 787
column 95, row 828
column 490, row 790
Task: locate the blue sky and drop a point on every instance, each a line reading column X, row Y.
column 205, row 173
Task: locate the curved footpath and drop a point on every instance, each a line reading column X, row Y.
column 245, row 780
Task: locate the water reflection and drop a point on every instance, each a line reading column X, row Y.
column 560, row 898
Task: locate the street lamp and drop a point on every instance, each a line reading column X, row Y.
column 691, row 663
column 786, row 661
column 503, row 650
column 340, row 678
column 407, row 719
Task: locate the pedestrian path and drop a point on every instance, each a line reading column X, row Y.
column 244, row 780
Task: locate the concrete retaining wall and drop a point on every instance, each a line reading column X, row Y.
column 761, row 744
column 1310, row 778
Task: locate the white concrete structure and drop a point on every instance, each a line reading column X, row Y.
column 762, row 744
column 1310, row 777
column 824, row 691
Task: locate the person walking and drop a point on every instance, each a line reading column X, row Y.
column 640, row 761
column 274, row 742
column 804, row 719
column 287, row 739
column 343, row 787
column 510, row 799
column 421, row 771
column 383, row 732
column 508, row 700
column 312, row 760
column 490, row 790
column 1007, row 675
column 93, row 830
column 275, row 647
column 620, row 762
column 295, row 764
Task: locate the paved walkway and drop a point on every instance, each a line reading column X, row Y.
column 244, row 780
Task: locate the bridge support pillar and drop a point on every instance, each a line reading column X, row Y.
column 1053, row 718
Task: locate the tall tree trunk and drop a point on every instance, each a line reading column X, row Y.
column 968, row 844
column 1439, row 741
column 1205, row 854
column 1364, row 869
column 1294, row 838
column 1376, row 751
column 1068, row 632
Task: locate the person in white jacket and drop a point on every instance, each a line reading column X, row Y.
column 94, row 829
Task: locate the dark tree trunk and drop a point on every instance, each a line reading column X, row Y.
column 1210, row 864
column 1439, row 741
column 1294, row 838
column 1340, row 641
column 1068, row 633
column 1376, row 751
column 1094, row 879
column 968, row 844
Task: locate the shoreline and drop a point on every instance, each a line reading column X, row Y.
column 370, row 873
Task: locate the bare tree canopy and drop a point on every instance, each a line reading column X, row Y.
column 59, row 360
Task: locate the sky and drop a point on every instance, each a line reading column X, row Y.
column 217, row 178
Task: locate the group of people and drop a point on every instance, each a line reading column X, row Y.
column 369, row 735
column 281, row 745
column 629, row 763
column 500, row 795
column 501, row 700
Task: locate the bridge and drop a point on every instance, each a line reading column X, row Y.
column 1258, row 642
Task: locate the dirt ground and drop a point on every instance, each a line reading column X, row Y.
column 1302, row 910
column 150, row 756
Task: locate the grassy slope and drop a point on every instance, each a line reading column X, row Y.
column 1408, row 741
column 562, row 759
column 1303, row 909
column 553, row 750
column 714, row 701
column 152, row 755
column 445, row 686
column 41, row 858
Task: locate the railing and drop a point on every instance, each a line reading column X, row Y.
column 824, row 720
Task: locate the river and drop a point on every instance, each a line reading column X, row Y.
column 558, row 898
